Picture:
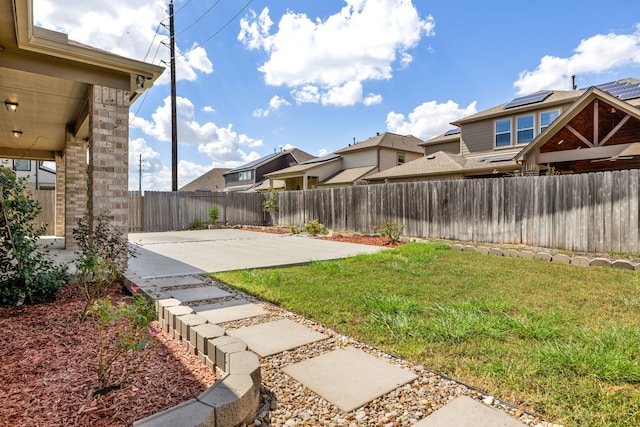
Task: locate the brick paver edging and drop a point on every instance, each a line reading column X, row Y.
column 234, row 398
column 559, row 258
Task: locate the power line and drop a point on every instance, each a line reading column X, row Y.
column 198, row 18
column 183, row 54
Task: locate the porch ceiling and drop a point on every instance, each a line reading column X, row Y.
column 50, row 77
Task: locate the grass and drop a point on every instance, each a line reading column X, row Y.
column 558, row 340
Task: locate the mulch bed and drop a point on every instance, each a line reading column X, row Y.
column 48, row 371
column 362, row 239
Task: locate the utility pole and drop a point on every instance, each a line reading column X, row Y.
column 140, row 176
column 174, row 114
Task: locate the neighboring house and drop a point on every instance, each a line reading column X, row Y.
column 353, row 164
column 210, row 181
column 40, row 177
column 251, row 175
column 496, row 141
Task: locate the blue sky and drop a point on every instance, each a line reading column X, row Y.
column 254, row 76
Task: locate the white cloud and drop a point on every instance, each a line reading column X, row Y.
column 155, row 174
column 208, row 109
column 222, row 144
column 123, row 28
column 372, row 99
column 429, row 119
column 274, row 104
column 599, row 54
column 322, row 152
column 331, row 58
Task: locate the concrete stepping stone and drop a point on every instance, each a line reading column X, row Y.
column 196, row 294
column 169, row 282
column 348, row 377
column 464, row 411
column 271, row 338
column 229, row 311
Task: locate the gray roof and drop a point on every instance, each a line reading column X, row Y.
column 302, row 168
column 388, row 140
column 441, row 139
column 442, row 163
column 558, row 97
column 348, row 176
column 299, row 155
column 212, row 181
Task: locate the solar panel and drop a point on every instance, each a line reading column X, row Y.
column 253, row 163
column 452, row 132
column 326, row 158
column 529, row 99
column 622, row 90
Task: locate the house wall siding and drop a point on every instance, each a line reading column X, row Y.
column 477, row 137
column 447, row 147
column 389, row 158
column 360, row 159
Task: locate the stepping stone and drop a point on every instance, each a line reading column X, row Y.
column 229, row 311
column 169, row 282
column 196, row 294
column 349, row 378
column 275, row 337
column 464, row 411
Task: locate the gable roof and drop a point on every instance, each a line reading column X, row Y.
column 452, row 135
column 348, row 176
column 387, row 140
column 299, row 155
column 212, row 181
column 442, row 163
column 557, row 97
column 300, row 169
column 568, row 114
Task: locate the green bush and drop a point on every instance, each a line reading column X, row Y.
column 390, row 230
column 214, row 213
column 271, row 204
column 101, row 259
column 27, row 274
column 121, row 356
column 196, row 225
column 314, row 228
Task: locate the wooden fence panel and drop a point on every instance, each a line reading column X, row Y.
column 595, row 212
column 47, row 216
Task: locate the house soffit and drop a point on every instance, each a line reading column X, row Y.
column 49, row 78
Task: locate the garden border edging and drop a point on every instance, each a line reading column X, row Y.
column 234, row 398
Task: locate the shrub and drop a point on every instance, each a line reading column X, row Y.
column 271, row 204
column 294, row 229
column 129, row 322
column 314, row 228
column 101, row 259
column 27, row 274
column 214, row 213
column 390, row 230
column 196, row 225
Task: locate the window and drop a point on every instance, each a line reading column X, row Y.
column 245, row 175
column 503, row 132
column 546, row 117
column 22, row 165
column 400, row 159
column 525, row 129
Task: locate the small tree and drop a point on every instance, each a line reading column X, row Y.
column 101, row 259
column 26, row 271
column 390, row 230
column 271, row 205
column 213, row 214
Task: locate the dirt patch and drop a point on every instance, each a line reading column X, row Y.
column 49, row 362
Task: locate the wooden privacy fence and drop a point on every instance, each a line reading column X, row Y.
column 597, row 212
column 47, row 217
column 165, row 211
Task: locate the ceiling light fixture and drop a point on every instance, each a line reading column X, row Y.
column 17, row 133
column 11, row 107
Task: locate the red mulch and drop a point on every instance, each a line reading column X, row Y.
column 349, row 238
column 48, row 373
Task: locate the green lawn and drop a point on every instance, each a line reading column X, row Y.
column 559, row 341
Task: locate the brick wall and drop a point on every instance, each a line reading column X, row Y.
column 108, row 155
column 75, row 187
